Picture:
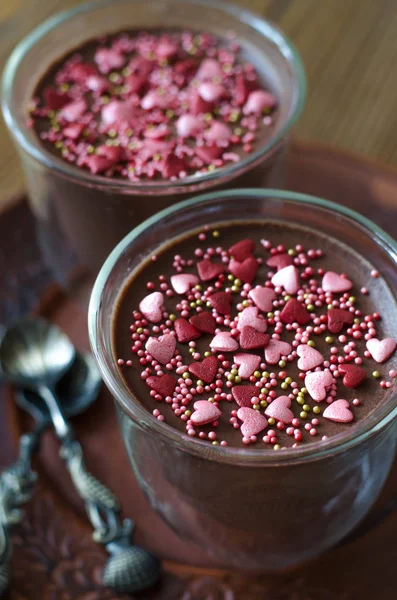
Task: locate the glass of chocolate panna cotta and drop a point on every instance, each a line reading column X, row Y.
column 119, row 109
column 248, row 340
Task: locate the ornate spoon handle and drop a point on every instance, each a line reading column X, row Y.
column 16, row 488
column 130, row 568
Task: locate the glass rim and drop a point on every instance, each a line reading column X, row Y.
column 39, row 153
column 243, row 456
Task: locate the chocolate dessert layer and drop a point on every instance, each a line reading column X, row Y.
column 259, row 333
column 154, row 105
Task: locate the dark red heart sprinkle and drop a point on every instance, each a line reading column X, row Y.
column 209, row 153
column 353, row 375
column 221, row 301
column 185, row 331
column 204, row 322
column 98, row 164
column 243, row 88
column 280, row 261
column 251, row 339
column 337, row 318
column 54, row 100
column 136, row 83
column 186, row 67
column 206, row 369
column 197, row 105
column 243, row 394
column 164, row 385
column 245, row 270
column 242, row 250
column 173, row 165
column 208, row 270
column 293, row 312
column 142, row 66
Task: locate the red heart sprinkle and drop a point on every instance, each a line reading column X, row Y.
column 338, row 317
column 221, row 301
column 206, row 369
column 98, row 164
column 205, row 412
column 54, row 100
column 185, row 331
column 295, row 312
column 243, row 88
column 251, row 339
column 164, row 385
column 244, row 393
column 353, row 375
column 173, row 165
column 209, row 153
column 242, row 250
column 135, row 83
column 204, row 322
column 246, row 270
column 186, row 67
column 280, row 261
column 80, row 72
column 208, row 270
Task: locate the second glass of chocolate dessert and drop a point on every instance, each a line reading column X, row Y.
column 121, row 108
column 248, row 339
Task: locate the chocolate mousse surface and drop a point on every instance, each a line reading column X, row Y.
column 154, row 105
column 260, row 334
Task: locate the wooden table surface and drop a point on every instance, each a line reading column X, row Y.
column 349, row 48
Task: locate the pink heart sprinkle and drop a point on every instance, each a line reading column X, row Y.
column 166, row 49
column 317, row 384
column 208, row 69
column 247, row 363
column 258, row 101
column 95, row 83
column 332, row 282
column 74, row 110
column 117, row 111
column 339, row 412
column 157, row 132
column 188, row 125
column 183, row 282
column 224, row 342
column 152, row 307
column 253, row 421
column 155, row 100
column 249, row 316
column 380, row 350
column 309, row 357
column 288, row 278
column 211, row 92
column 218, row 132
column 263, row 297
column 275, row 350
column 279, row 409
column 108, row 59
column 204, row 412
column 162, row 348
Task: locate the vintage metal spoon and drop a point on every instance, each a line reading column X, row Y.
column 33, row 355
column 77, row 390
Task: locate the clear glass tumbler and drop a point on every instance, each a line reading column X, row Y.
column 82, row 216
column 246, row 508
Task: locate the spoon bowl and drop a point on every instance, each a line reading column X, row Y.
column 35, row 352
column 76, row 390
